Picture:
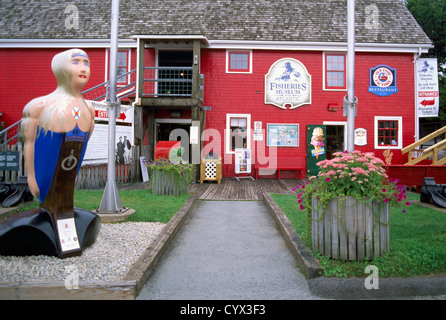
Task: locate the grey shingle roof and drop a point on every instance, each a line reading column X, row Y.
column 266, row 20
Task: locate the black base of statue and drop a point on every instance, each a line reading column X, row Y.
column 33, row 232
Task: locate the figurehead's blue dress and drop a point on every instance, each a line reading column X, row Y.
column 58, row 152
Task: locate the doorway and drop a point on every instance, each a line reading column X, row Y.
column 335, row 136
column 174, row 130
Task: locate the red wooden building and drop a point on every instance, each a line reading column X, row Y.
column 248, row 74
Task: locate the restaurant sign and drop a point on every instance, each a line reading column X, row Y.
column 383, row 81
column 287, row 83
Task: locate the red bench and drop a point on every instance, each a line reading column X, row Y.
column 283, row 163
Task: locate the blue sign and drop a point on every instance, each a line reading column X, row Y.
column 383, row 81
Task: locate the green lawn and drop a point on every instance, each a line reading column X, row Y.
column 148, row 207
column 418, row 242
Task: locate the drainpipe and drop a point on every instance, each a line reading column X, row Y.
column 350, row 101
column 417, row 119
column 111, row 202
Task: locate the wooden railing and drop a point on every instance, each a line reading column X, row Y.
column 429, row 152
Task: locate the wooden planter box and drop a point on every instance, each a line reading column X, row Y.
column 169, row 182
column 350, row 229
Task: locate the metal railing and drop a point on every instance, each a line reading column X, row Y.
column 11, row 134
column 126, row 86
column 167, row 82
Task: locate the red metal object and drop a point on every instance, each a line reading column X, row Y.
column 162, row 148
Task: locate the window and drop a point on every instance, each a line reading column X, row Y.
column 335, row 75
column 238, row 61
column 237, row 131
column 122, row 67
column 388, row 132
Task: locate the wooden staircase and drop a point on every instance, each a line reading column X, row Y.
column 431, row 151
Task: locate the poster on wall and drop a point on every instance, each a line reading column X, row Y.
column 282, row 135
column 97, row 148
column 360, row 137
column 288, row 83
column 428, row 99
column 242, row 160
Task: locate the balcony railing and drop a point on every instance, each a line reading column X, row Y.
column 167, row 82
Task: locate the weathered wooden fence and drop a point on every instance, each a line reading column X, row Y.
column 90, row 176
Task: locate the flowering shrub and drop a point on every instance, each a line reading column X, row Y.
column 354, row 174
column 177, row 169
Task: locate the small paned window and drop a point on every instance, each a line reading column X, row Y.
column 335, row 75
column 122, row 67
column 239, row 61
column 387, row 133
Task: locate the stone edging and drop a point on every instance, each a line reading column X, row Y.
column 308, row 265
column 349, row 288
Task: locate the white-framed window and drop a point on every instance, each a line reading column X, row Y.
column 388, row 132
column 238, row 61
column 335, row 71
column 122, row 66
column 238, row 132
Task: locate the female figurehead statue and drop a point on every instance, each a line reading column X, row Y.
column 56, row 129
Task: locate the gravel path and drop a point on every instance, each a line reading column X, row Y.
column 117, row 247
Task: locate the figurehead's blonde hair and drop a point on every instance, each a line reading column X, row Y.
column 55, row 102
column 61, row 67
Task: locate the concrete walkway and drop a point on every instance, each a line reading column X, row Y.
column 227, row 250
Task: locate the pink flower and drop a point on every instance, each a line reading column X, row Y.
column 327, row 179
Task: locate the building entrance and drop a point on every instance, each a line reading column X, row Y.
column 174, row 130
column 335, row 139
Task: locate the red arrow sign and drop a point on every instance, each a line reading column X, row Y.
column 426, row 102
column 122, row 116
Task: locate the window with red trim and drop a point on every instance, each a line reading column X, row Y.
column 335, row 75
column 388, row 132
column 239, row 61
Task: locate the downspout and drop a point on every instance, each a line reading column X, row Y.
column 417, row 119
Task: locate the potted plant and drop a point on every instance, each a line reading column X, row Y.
column 347, row 206
column 170, row 176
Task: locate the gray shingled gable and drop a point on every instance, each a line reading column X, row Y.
column 261, row 20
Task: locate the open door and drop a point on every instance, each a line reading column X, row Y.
column 316, row 147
